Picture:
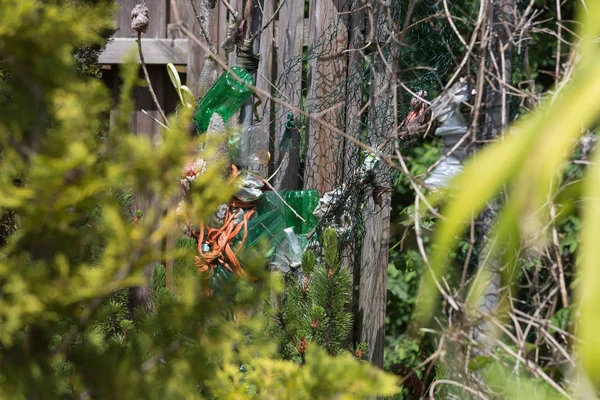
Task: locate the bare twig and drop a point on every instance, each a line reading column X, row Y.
column 233, row 13
column 266, row 182
column 296, row 110
column 266, row 25
column 460, row 385
column 558, row 43
column 533, row 367
column 451, row 22
column 155, row 120
column 147, row 75
column 203, row 30
column 561, row 270
column 421, row 246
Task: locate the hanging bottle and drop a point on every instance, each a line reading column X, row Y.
column 225, row 97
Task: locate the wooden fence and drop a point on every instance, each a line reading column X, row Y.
column 280, row 44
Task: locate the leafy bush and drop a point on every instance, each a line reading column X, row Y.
column 65, row 330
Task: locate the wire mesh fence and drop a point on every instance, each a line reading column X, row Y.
column 333, row 80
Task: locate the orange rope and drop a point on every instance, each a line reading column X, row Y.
column 220, row 239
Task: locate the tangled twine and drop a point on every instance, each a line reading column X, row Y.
column 246, row 58
column 219, row 240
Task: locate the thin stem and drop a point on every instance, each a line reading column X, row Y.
column 203, row 29
column 233, row 13
column 160, row 110
column 558, row 49
column 154, row 119
column 269, row 21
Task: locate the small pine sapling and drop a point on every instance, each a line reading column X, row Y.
column 313, row 307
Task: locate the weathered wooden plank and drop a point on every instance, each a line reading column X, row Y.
column 237, row 5
column 156, row 51
column 214, row 31
column 181, row 51
column 373, row 278
column 350, row 254
column 376, row 217
column 147, row 199
column 354, row 89
column 328, row 37
column 157, row 13
column 158, row 19
column 195, row 54
column 222, row 25
column 301, row 27
column 289, row 52
column 264, row 78
column 123, row 19
column 265, row 74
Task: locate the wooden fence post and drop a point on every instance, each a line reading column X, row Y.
column 354, row 94
column 195, row 54
column 265, row 75
column 328, row 37
column 289, row 65
column 375, row 244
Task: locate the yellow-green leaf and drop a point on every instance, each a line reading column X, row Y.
column 187, row 97
column 174, row 75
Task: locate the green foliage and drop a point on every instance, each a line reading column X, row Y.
column 404, row 276
column 418, row 158
column 65, row 327
column 506, row 385
column 313, row 308
column 322, row 377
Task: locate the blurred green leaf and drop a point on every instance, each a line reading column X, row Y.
column 527, row 159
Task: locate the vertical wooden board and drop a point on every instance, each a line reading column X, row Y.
column 354, row 87
column 157, row 10
column 373, row 279
column 237, row 5
column 234, row 4
column 328, row 38
column 222, row 25
column 289, row 73
column 147, row 200
column 123, row 19
column 196, row 54
column 265, row 76
column 143, row 101
column 351, row 254
column 214, row 30
column 376, row 218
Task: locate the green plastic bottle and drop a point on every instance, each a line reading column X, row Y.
column 225, row 97
column 304, row 203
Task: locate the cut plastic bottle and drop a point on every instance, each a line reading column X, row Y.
column 225, row 97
